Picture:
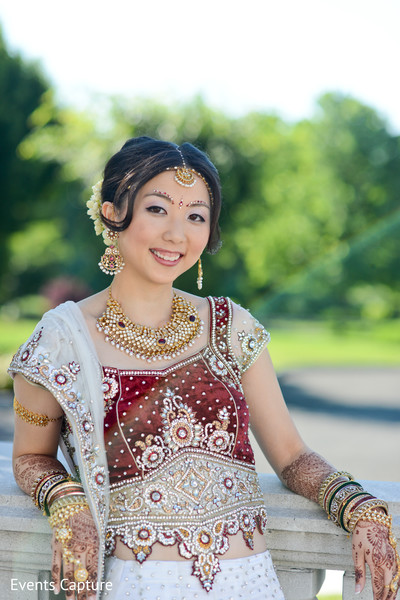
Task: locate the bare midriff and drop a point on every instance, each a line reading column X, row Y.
column 237, row 549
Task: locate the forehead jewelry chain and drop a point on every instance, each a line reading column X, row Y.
column 147, row 343
column 183, row 175
column 186, row 177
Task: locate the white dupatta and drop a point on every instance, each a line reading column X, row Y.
column 60, row 356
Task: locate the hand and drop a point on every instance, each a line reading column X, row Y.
column 84, row 546
column 371, row 545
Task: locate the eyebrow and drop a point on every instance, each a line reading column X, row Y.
column 170, row 198
column 161, row 194
column 198, row 203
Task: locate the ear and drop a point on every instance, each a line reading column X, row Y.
column 107, row 208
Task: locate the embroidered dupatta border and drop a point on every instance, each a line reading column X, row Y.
column 63, row 331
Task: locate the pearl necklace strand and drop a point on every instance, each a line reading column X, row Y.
column 148, row 343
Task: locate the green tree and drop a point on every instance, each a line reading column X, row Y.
column 25, row 186
column 304, row 204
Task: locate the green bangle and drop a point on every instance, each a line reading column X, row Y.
column 345, row 504
column 338, row 489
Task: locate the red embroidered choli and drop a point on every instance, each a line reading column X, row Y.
column 180, row 461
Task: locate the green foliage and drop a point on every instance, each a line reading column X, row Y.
column 22, row 183
column 310, row 219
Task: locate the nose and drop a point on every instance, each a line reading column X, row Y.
column 175, row 230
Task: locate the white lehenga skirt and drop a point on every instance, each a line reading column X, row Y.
column 250, row 578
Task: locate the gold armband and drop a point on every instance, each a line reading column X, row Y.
column 31, row 417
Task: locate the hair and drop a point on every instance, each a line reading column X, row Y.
column 142, row 158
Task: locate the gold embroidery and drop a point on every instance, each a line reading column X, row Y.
column 31, row 417
column 252, row 344
column 197, row 501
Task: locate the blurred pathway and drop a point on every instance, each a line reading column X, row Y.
column 349, row 415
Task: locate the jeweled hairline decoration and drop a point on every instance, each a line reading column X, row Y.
column 184, row 177
column 181, row 177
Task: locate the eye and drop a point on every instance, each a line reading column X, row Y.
column 197, row 218
column 154, row 208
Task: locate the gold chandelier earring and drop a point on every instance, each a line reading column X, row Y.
column 111, row 262
column 199, row 274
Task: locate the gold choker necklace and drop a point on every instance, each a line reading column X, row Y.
column 149, row 343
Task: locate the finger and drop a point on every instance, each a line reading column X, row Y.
column 56, row 566
column 81, row 586
column 69, row 581
column 92, row 582
column 393, row 594
column 359, row 567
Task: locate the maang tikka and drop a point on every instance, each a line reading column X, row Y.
column 185, row 176
column 111, row 262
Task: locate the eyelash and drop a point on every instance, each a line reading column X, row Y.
column 196, row 217
column 155, row 209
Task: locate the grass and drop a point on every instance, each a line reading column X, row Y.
column 330, row 597
column 353, row 343
column 13, row 333
column 294, row 343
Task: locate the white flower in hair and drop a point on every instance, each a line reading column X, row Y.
column 94, row 210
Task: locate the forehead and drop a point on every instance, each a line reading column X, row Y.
column 166, row 182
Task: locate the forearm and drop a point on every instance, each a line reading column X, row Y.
column 28, row 467
column 305, row 474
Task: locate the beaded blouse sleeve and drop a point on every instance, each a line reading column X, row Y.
column 248, row 337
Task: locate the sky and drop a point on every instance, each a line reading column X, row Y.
column 273, row 56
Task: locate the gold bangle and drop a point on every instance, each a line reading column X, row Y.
column 358, row 499
column 340, row 501
column 328, row 480
column 339, row 497
column 365, row 507
column 40, row 480
column 331, row 490
column 31, row 417
column 45, row 488
column 66, row 501
column 66, row 488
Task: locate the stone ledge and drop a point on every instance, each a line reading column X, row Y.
column 302, row 541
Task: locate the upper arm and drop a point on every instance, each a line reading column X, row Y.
column 30, row 438
column 270, row 420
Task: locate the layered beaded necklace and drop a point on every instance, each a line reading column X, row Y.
column 147, row 343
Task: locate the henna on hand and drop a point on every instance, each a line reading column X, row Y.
column 371, row 543
column 84, row 545
column 28, row 467
column 306, row 474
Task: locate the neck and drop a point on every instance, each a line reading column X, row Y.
column 145, row 304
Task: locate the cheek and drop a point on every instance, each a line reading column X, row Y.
column 200, row 237
column 138, row 233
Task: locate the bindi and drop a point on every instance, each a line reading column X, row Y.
column 180, row 203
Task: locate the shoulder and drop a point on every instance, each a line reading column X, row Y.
column 94, row 305
column 248, row 336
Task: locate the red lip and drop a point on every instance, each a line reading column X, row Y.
column 164, row 261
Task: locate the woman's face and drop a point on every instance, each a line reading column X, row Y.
column 169, row 230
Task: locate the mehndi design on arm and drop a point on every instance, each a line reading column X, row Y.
column 305, row 475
